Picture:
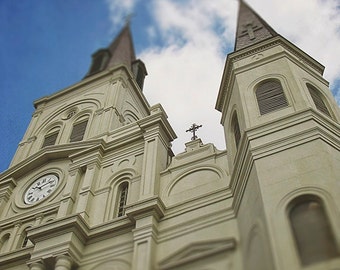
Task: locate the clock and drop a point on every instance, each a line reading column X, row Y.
column 41, row 188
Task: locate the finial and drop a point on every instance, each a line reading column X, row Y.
column 128, row 18
column 194, row 127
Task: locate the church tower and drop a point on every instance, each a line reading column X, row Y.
column 281, row 126
column 89, row 150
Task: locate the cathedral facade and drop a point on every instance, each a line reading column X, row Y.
column 94, row 183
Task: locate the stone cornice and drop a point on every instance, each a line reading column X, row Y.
column 195, row 251
column 141, row 208
column 16, row 257
column 46, row 154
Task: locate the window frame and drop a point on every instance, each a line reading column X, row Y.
column 319, row 100
column 77, row 123
column 262, row 99
column 298, row 201
column 122, row 197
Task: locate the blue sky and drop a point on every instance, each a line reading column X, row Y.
column 47, row 46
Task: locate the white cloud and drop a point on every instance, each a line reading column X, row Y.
column 185, row 73
column 119, row 10
column 314, row 26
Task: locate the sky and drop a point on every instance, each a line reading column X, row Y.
column 46, row 46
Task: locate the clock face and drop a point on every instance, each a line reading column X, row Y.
column 41, row 188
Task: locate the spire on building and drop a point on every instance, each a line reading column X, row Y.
column 119, row 52
column 251, row 28
column 121, row 49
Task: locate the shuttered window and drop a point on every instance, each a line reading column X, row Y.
column 123, row 192
column 78, row 131
column 50, row 139
column 317, row 99
column 270, row 96
column 236, row 130
column 312, row 232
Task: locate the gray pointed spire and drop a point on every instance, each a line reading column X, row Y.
column 121, row 49
column 251, row 28
column 120, row 52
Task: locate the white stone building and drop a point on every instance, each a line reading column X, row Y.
column 94, row 183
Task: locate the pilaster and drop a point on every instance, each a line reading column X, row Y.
column 146, row 215
column 86, row 192
column 6, row 189
column 157, row 136
column 68, row 198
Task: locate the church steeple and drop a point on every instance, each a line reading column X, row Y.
column 251, row 28
column 121, row 49
column 120, row 52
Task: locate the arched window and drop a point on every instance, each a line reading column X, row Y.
column 122, row 199
column 78, row 130
column 3, row 243
column 312, row 231
column 26, row 242
column 317, row 99
column 270, row 96
column 51, row 137
column 236, row 129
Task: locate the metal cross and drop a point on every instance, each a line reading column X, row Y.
column 194, row 127
column 129, row 17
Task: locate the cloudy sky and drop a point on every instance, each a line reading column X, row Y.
column 46, row 46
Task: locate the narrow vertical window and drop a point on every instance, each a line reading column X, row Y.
column 25, row 242
column 236, row 130
column 312, row 231
column 78, row 131
column 123, row 192
column 270, row 96
column 317, row 99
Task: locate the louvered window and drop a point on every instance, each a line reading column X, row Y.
column 78, row 131
column 270, row 96
column 317, row 99
column 312, row 232
column 236, row 130
column 123, row 192
column 50, row 139
column 99, row 61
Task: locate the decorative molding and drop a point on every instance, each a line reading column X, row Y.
column 196, row 251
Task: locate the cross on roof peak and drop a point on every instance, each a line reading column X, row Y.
column 194, row 127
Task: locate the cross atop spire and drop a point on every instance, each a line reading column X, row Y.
column 194, row 127
column 251, row 28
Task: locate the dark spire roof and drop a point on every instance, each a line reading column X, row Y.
column 120, row 52
column 251, row 28
column 121, row 49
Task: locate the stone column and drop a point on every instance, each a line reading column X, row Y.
column 63, row 262
column 37, row 266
